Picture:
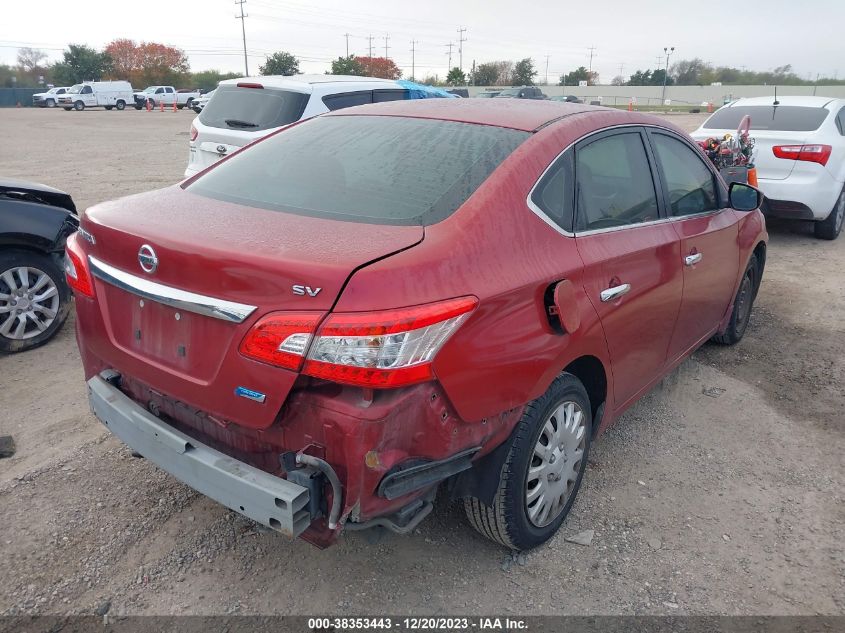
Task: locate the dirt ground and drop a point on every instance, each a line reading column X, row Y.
column 721, row 492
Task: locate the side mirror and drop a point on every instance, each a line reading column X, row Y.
column 744, row 197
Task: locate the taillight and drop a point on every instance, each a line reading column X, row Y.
column 194, row 133
column 76, row 268
column 248, row 84
column 810, row 153
column 281, row 339
column 390, row 348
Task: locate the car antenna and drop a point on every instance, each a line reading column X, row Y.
column 776, row 97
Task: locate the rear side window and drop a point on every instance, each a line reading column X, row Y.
column 553, row 194
column 379, row 170
column 614, row 183
column 688, row 180
column 252, row 109
column 840, row 122
column 782, row 117
column 347, row 99
column 380, row 96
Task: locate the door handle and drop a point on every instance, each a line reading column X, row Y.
column 690, row 260
column 614, row 293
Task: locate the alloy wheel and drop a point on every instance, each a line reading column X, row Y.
column 29, row 302
column 553, row 471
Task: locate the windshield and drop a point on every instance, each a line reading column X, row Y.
column 380, row 170
column 509, row 93
column 253, row 109
column 76, row 89
column 781, row 118
column 150, row 89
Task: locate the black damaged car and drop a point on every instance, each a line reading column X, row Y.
column 35, row 221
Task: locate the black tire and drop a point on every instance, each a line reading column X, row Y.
column 108, row 107
column 50, row 103
column 179, row 107
column 152, row 104
column 11, row 259
column 79, row 106
column 743, row 303
column 831, row 226
column 120, row 105
column 189, row 103
column 138, row 106
column 67, row 108
column 507, row 521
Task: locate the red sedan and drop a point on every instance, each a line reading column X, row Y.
column 326, row 327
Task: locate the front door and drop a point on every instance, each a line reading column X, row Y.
column 631, row 256
column 708, row 237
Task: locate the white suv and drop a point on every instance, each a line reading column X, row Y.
column 799, row 155
column 243, row 110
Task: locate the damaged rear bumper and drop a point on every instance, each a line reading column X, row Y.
column 274, row 502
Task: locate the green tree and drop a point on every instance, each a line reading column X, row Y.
column 280, row 63
column 579, row 74
column 208, row 79
column 456, row 77
column 432, row 80
column 657, row 78
column 486, row 74
column 80, row 63
column 524, row 72
column 689, row 72
column 640, row 78
column 347, row 66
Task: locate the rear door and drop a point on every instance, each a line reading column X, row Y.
column 631, row 255
column 708, row 233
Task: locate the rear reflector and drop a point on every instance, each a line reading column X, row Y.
column 76, row 267
column 809, row 153
column 246, row 84
column 390, row 348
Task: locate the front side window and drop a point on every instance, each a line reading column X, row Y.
column 347, row 99
column 613, row 183
column 380, row 96
column 689, row 182
column 373, row 169
column 840, row 122
column 87, row 90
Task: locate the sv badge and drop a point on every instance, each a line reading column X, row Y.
column 305, row 290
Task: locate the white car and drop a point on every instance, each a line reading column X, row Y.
column 198, row 104
column 799, row 155
column 50, row 98
column 244, row 110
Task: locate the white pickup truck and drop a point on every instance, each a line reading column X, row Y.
column 166, row 95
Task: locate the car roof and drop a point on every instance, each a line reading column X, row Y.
column 520, row 114
column 786, row 100
column 303, row 83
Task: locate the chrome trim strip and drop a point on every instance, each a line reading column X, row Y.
column 167, row 295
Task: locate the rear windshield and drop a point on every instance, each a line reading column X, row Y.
column 379, row 170
column 252, row 109
column 781, row 118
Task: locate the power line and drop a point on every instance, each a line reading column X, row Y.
column 242, row 17
column 461, row 41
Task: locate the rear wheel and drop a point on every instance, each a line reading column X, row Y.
column 743, row 302
column 108, row 107
column 542, row 471
column 68, row 109
column 79, row 106
column 831, row 226
column 34, row 300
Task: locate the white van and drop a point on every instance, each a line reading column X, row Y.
column 95, row 94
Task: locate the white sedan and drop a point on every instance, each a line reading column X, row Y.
column 799, row 155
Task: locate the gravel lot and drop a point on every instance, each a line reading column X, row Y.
column 719, row 493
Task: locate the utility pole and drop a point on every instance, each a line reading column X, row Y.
column 472, row 77
column 659, row 63
column 386, row 38
column 547, row 69
column 668, row 52
column 461, row 40
column 370, row 40
column 621, row 70
column 242, row 17
column 346, row 35
column 450, row 45
column 592, row 54
column 413, row 53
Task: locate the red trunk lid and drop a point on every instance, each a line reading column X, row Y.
column 230, row 252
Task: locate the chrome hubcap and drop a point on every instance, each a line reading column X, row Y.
column 29, row 302
column 555, row 463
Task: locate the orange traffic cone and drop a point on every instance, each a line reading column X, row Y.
column 174, row 106
column 710, row 106
column 630, row 106
column 161, row 106
column 148, row 105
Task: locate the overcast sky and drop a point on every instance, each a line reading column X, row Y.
column 757, row 34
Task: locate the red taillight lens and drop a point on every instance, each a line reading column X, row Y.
column 76, row 268
column 391, row 348
column 194, row 133
column 281, row 339
column 247, row 84
column 809, row 153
